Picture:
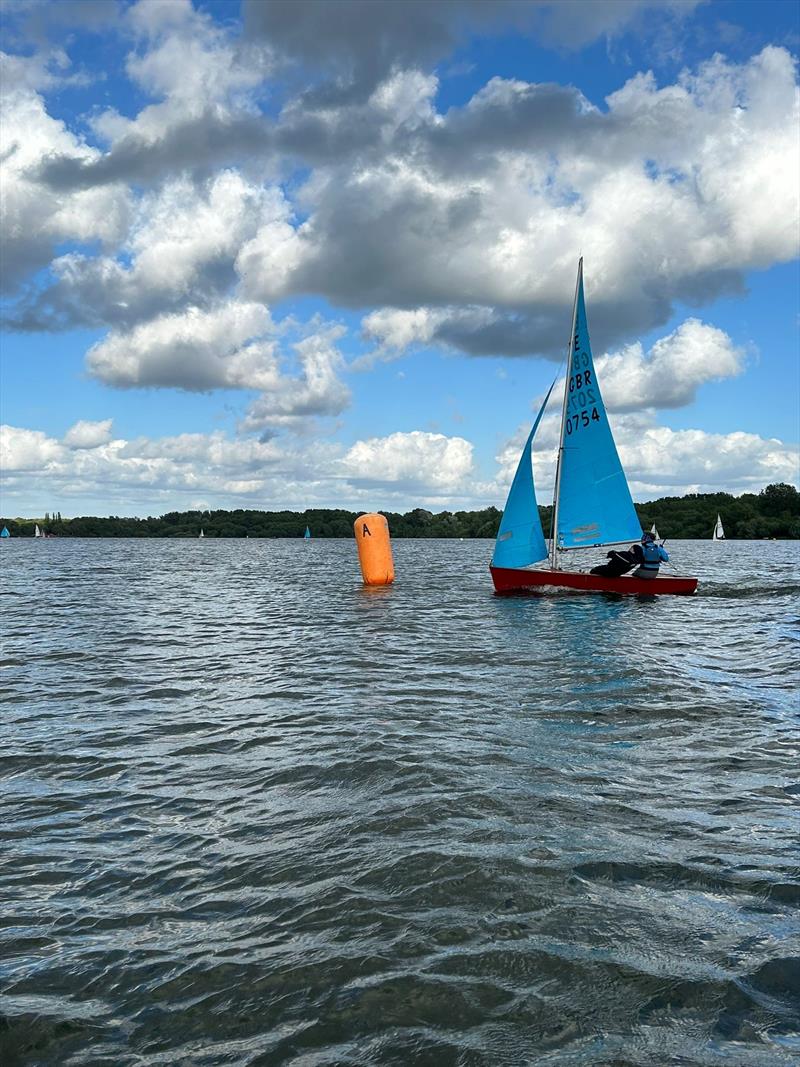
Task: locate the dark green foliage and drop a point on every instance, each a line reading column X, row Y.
column 778, row 500
column 774, row 512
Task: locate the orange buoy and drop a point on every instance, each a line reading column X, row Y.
column 374, row 549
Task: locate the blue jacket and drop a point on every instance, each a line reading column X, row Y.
column 654, row 555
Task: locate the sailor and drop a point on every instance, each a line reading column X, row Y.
column 649, row 555
column 618, row 563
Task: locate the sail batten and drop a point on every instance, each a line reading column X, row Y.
column 595, row 544
column 520, row 540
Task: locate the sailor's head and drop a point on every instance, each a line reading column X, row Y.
column 647, row 537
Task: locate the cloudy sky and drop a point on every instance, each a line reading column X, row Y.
column 322, row 253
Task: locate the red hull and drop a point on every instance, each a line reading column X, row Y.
column 509, row 580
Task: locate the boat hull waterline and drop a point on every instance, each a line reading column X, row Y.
column 512, row 580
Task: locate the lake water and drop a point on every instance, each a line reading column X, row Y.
column 254, row 813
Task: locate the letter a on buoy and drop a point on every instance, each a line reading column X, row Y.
column 374, row 549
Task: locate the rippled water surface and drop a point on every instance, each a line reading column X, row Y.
column 253, row 813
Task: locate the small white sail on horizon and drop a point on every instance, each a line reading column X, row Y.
column 201, row 534
column 37, row 532
column 655, row 532
column 719, row 533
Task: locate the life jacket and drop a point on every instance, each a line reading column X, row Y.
column 652, row 556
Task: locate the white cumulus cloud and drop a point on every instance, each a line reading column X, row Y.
column 315, row 389
column 660, row 461
column 86, row 434
column 236, row 346
column 26, row 450
column 671, row 193
column 415, row 458
column 193, row 350
column 35, row 218
column 669, row 375
column 181, row 249
column 145, row 474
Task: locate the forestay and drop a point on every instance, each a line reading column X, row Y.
column 594, row 501
column 520, row 540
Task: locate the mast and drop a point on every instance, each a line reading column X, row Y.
column 571, row 349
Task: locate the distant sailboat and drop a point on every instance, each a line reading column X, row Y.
column 307, row 534
column 719, row 533
column 4, row 532
column 201, row 534
column 654, row 532
column 592, row 506
column 37, row 532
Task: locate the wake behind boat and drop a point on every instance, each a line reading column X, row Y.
column 592, row 506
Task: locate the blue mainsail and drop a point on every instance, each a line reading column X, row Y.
column 594, row 501
column 520, row 540
column 4, row 532
column 307, row 534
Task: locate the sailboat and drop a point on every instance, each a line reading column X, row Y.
column 719, row 533
column 307, row 534
column 4, row 532
column 37, row 532
column 592, row 506
column 654, row 532
column 201, row 534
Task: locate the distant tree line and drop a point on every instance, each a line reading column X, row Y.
column 774, row 512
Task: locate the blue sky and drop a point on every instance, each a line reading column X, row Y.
column 322, row 254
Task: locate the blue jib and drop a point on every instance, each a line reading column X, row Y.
column 520, row 540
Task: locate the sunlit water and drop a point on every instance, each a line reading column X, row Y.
column 253, row 813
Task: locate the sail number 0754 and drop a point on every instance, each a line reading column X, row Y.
column 574, row 422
